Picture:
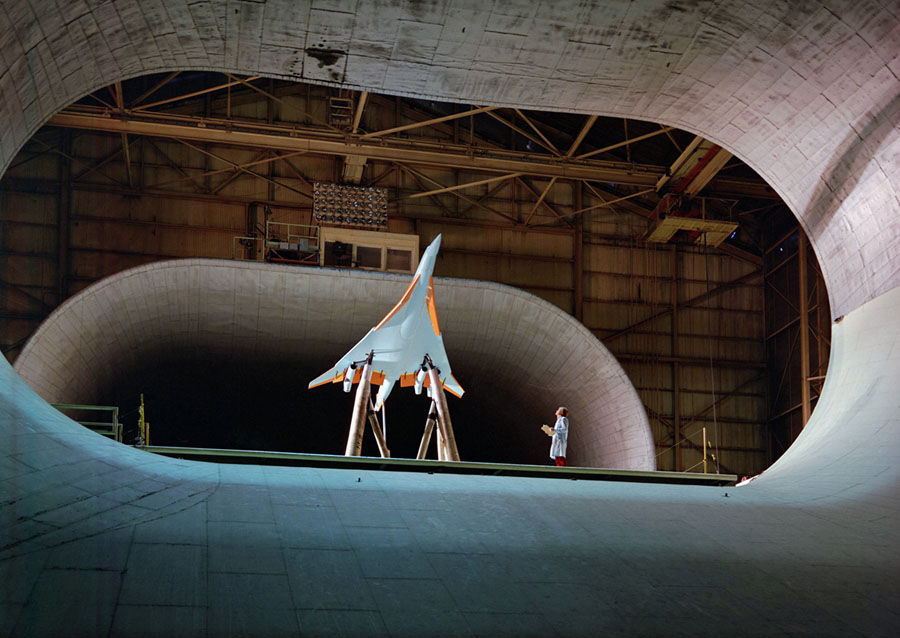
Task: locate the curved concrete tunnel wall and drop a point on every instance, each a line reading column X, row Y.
column 807, row 94
column 502, row 342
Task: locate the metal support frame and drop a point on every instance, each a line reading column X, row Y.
column 578, row 256
column 458, row 194
column 788, row 413
column 687, row 304
column 677, row 461
column 64, row 212
column 111, row 429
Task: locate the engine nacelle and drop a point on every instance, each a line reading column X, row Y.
column 420, row 381
column 349, row 373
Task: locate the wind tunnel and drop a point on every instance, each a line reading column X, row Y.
column 222, row 352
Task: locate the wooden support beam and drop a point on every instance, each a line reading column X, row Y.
column 69, row 156
column 525, row 134
column 240, row 168
column 534, row 128
column 626, row 143
column 288, row 105
column 782, row 239
column 420, row 181
column 725, row 397
column 64, row 213
column 178, row 169
column 821, row 326
column 236, row 174
column 153, row 89
column 490, row 193
column 603, row 205
column 693, row 362
column 120, row 103
column 436, row 120
column 255, row 162
column 186, row 96
column 449, row 189
column 25, row 295
column 677, row 461
column 668, row 132
column 578, row 255
column 786, row 369
column 524, row 182
column 540, row 200
column 226, row 132
column 460, row 195
column 581, row 135
column 627, row 207
column 691, row 302
column 360, row 105
column 103, row 102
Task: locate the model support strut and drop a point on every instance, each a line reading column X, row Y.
column 363, row 411
column 438, row 414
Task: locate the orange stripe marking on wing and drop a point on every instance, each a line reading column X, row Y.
column 458, row 396
column 320, row 383
column 432, row 311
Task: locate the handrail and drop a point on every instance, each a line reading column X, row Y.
column 111, row 429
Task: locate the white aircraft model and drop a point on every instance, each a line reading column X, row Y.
column 403, row 344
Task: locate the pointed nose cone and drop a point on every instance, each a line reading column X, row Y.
column 426, row 265
column 433, row 251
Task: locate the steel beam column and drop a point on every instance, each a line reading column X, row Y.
column 578, row 255
column 804, row 327
column 676, row 367
column 64, row 211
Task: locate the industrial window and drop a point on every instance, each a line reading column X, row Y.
column 368, row 257
column 338, row 253
column 399, row 260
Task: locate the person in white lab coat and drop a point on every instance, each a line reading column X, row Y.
column 560, row 437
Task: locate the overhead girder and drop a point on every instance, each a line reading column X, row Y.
column 292, row 138
column 694, row 168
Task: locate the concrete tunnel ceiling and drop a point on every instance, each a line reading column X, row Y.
column 276, row 327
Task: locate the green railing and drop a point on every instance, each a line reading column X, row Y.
column 111, row 429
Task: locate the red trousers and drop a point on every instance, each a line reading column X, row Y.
column 561, row 461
